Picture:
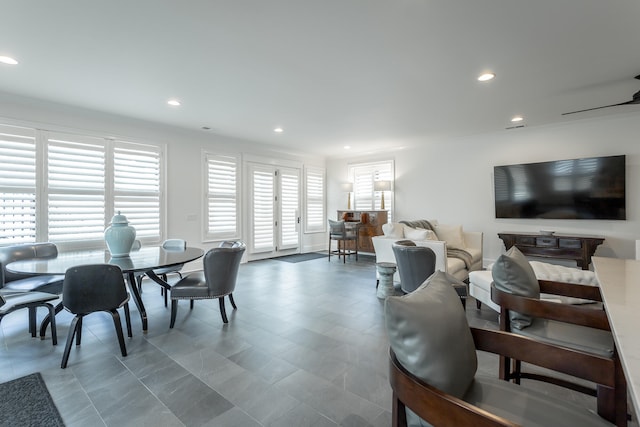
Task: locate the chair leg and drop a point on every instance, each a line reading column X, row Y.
column 174, row 312
column 54, row 332
column 67, row 348
column 223, row 311
column 329, row 257
column 118, row 325
column 79, row 331
column 127, row 319
column 32, row 321
column 233, row 303
column 164, row 291
column 191, row 304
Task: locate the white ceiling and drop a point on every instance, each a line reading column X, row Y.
column 372, row 74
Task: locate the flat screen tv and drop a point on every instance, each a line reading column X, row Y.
column 589, row 188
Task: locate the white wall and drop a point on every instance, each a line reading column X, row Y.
column 184, row 165
column 452, row 181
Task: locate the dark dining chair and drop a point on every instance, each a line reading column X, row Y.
column 91, row 288
column 11, row 301
column 217, row 280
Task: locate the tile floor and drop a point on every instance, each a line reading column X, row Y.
column 306, row 347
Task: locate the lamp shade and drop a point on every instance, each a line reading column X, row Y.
column 382, row 185
column 347, row 187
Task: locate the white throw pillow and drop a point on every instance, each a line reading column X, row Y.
column 452, row 234
column 419, row 234
column 393, row 229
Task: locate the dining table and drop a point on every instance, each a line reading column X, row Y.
column 139, row 262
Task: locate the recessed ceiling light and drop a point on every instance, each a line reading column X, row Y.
column 347, row 147
column 278, row 130
column 486, row 77
column 8, row 60
column 174, row 102
column 516, row 119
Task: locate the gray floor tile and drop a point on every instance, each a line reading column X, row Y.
column 307, row 346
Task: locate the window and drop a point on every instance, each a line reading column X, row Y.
column 315, row 204
column 363, row 176
column 222, row 196
column 62, row 187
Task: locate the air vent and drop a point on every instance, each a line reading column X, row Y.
column 515, row 127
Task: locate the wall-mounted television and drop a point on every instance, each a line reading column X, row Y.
column 589, row 188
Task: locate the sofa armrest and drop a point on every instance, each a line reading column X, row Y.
column 383, row 247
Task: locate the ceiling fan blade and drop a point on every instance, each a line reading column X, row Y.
column 597, row 108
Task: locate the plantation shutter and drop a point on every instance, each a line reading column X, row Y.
column 222, row 196
column 17, row 185
column 76, row 187
column 289, row 208
column 263, row 207
column 315, row 211
column 363, row 176
column 136, row 187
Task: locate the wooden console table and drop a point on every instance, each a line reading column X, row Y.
column 369, row 225
column 578, row 248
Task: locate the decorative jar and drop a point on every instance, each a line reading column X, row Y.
column 119, row 236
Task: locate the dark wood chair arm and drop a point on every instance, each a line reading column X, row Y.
column 570, row 290
column 576, row 363
column 434, row 406
column 578, row 315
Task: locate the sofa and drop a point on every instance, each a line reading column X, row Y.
column 458, row 252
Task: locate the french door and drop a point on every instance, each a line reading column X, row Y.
column 274, row 210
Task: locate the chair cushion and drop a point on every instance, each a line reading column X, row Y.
column 577, row 337
column 51, row 283
column 9, row 301
column 429, row 333
column 193, row 285
column 512, row 273
column 525, row 406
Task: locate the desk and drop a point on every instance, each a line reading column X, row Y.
column 620, row 287
column 141, row 261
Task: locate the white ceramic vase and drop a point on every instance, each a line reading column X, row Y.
column 119, row 236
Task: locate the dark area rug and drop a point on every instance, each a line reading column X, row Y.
column 301, row 257
column 26, row 401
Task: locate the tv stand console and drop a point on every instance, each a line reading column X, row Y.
column 578, row 248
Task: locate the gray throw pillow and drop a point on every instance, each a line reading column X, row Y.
column 429, row 333
column 512, row 273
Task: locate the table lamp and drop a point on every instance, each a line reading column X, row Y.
column 382, row 186
column 347, row 187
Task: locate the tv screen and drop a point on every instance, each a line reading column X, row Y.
column 589, row 188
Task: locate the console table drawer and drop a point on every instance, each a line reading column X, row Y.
column 569, row 243
column 525, row 240
column 546, row 242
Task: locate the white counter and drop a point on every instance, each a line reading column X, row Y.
column 620, row 286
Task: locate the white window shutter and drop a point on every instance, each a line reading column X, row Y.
column 17, row 185
column 222, row 197
column 263, row 206
column 136, row 180
column 289, row 208
column 75, row 188
column 315, row 200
